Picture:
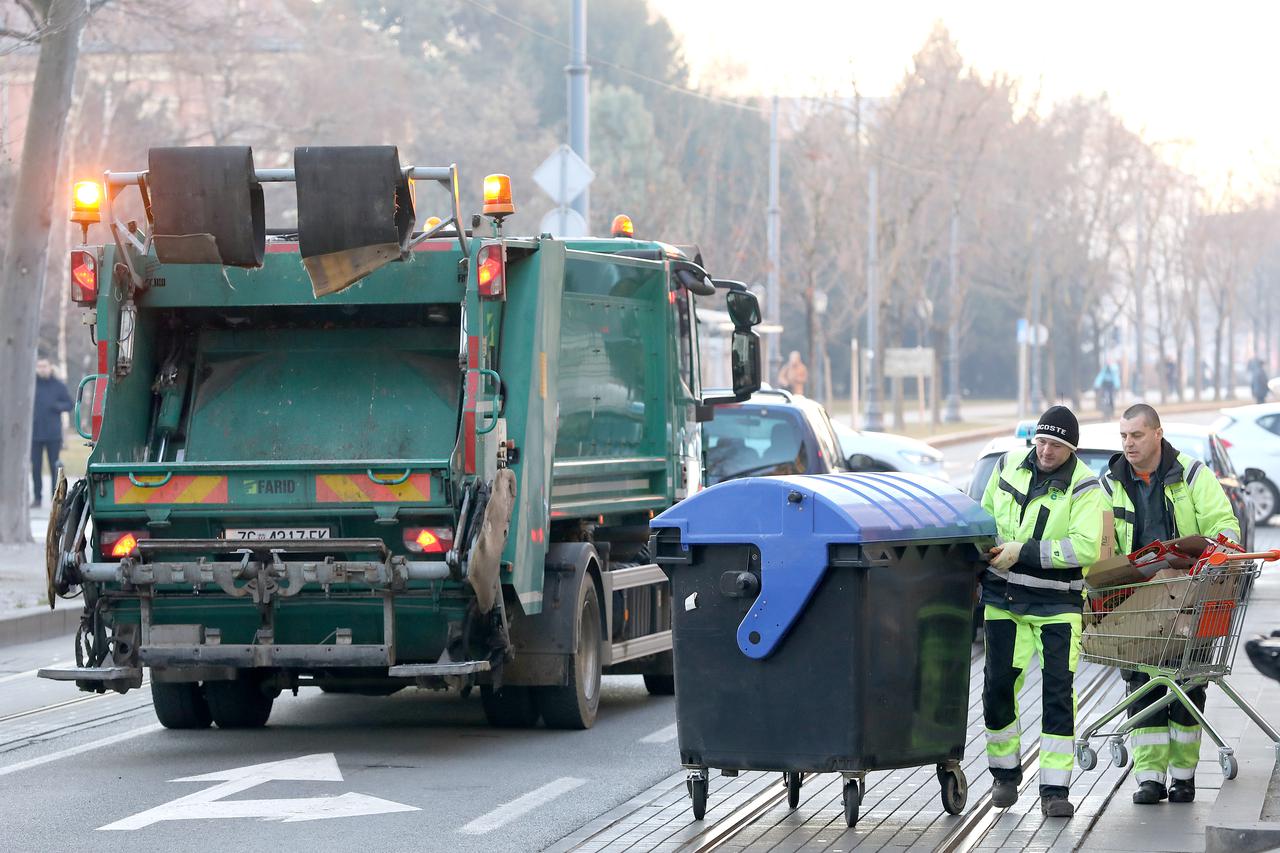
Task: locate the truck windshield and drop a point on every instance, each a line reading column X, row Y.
column 741, row 442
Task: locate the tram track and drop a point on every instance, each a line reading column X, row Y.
column 972, row 827
column 11, row 741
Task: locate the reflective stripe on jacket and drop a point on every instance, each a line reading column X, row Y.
column 1060, row 525
column 1194, row 499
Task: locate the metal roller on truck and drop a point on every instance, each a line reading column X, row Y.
column 361, row 456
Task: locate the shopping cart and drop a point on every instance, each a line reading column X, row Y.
column 1179, row 628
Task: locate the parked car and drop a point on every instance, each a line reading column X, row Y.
column 864, row 450
column 772, row 433
column 1252, row 437
column 1099, row 442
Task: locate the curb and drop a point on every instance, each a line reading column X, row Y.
column 953, row 438
column 17, row 627
column 1236, row 823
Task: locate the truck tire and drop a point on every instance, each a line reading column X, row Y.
column 509, row 707
column 574, row 705
column 660, row 685
column 238, row 704
column 180, row 705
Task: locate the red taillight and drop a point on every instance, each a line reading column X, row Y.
column 428, row 540
column 121, row 543
column 491, row 272
column 84, row 277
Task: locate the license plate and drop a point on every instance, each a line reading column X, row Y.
column 243, row 533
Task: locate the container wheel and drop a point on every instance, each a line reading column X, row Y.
column 1086, row 757
column 180, row 705
column 1119, row 754
column 955, row 789
column 698, row 794
column 238, row 704
column 852, row 800
column 510, row 707
column 660, row 685
column 793, row 779
column 574, row 705
column 1229, row 766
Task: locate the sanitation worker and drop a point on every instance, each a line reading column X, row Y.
column 1157, row 493
column 1049, row 511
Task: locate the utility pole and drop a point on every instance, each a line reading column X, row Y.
column 578, row 72
column 874, row 420
column 1139, row 286
column 773, row 218
column 1033, row 331
column 952, row 414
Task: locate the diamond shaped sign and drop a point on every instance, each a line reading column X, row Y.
column 563, row 175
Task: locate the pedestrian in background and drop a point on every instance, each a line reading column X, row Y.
column 1050, row 513
column 52, row 399
column 1158, row 494
column 793, row 374
column 1106, row 383
column 1258, row 380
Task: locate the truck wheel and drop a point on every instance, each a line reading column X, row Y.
column 511, row 707
column 180, row 705
column 574, row 705
column 660, row 685
column 239, row 704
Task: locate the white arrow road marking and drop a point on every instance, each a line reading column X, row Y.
column 504, row 814
column 209, row 803
column 665, row 735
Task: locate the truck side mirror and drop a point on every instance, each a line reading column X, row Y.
column 744, row 309
column 745, row 361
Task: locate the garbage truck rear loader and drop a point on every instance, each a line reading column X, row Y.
column 360, row 456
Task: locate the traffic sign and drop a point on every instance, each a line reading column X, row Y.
column 563, row 175
column 906, row 362
column 1041, row 333
column 563, row 222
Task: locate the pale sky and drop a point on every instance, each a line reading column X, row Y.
column 1200, row 72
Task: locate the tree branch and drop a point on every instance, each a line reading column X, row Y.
column 27, row 38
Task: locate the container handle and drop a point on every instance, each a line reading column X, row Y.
column 168, row 475
column 491, row 422
column 391, row 482
column 79, row 391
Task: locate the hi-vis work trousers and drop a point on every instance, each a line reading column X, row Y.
column 1011, row 638
column 1169, row 740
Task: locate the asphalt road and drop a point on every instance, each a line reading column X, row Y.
column 415, row 771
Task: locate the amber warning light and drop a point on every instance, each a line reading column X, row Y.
column 497, row 196
column 622, row 226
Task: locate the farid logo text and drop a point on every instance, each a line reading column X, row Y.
column 270, row 487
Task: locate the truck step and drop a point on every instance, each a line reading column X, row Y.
column 420, row 670
column 90, row 673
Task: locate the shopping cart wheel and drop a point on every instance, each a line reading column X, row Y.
column 1086, row 757
column 852, row 800
column 955, row 789
column 792, row 779
column 1119, row 755
column 1229, row 766
column 698, row 794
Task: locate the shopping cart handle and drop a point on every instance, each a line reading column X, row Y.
column 1218, row 558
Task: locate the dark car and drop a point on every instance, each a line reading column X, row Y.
column 1099, row 442
column 772, row 433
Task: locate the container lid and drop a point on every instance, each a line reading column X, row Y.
column 794, row 520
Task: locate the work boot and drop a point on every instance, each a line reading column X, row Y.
column 1182, row 791
column 1149, row 793
column 1004, row 793
column 1056, row 805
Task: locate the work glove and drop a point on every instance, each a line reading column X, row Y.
column 1004, row 556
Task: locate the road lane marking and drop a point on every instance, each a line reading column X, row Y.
column 76, row 750
column 18, row 675
column 520, row 806
column 665, row 735
column 211, row 802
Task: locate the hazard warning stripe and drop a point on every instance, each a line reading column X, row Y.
column 182, row 489
column 358, row 488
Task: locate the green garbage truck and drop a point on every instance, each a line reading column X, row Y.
column 361, row 455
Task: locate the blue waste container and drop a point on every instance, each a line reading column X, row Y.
column 823, row 624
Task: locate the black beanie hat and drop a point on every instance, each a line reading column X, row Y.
column 1061, row 425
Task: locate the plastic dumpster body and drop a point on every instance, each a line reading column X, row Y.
column 823, row 624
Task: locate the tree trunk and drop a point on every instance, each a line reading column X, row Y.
column 22, row 277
